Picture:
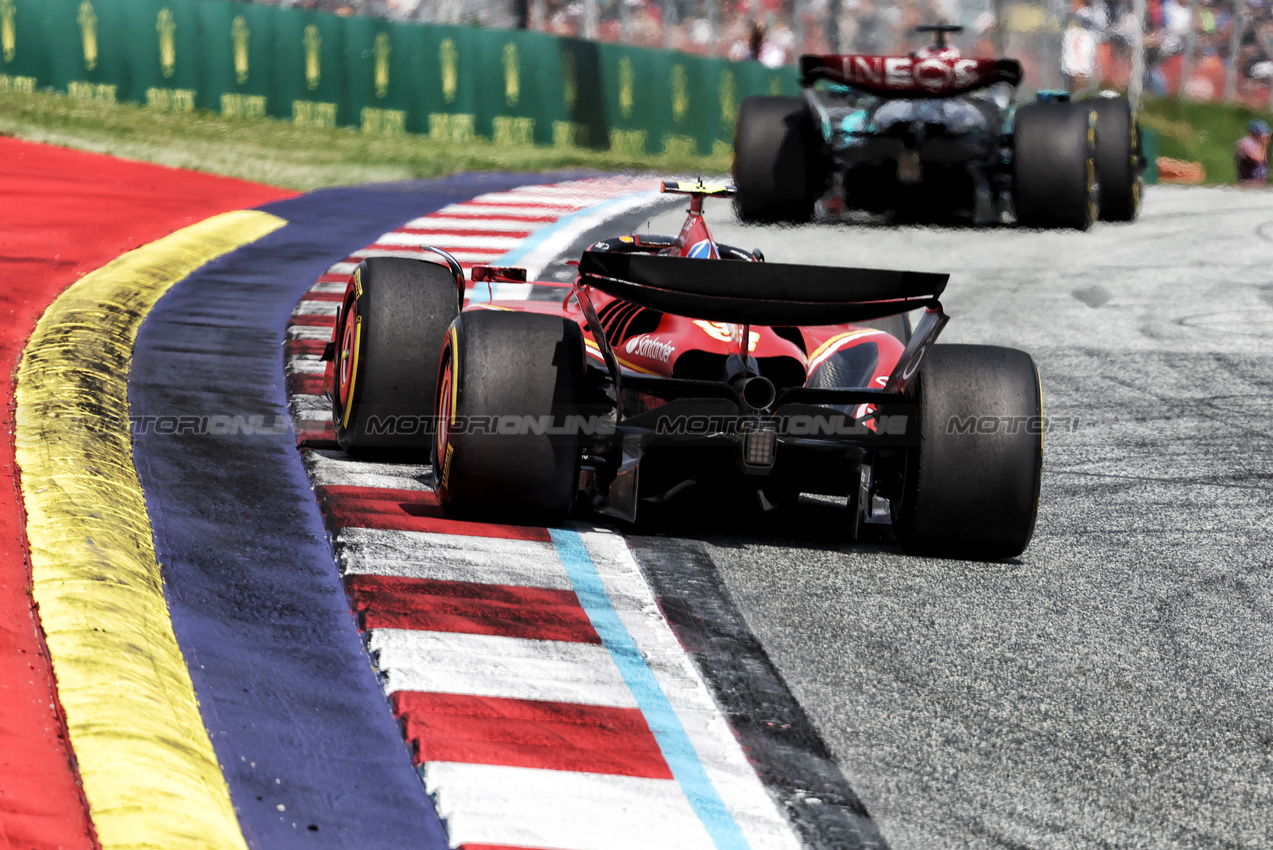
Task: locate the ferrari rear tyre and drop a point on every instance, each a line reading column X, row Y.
column 971, row 487
column 1054, row 168
column 391, row 327
column 779, row 167
column 1118, row 156
column 503, row 377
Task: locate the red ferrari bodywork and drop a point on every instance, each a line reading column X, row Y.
column 664, row 344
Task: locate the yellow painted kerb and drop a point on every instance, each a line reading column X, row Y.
column 148, row 767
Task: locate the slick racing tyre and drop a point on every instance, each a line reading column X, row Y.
column 779, row 167
column 1054, row 169
column 971, row 487
column 500, row 371
column 1118, row 155
column 388, row 338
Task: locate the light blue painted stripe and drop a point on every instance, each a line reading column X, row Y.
column 679, row 753
column 542, row 234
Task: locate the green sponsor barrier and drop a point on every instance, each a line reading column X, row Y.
column 313, row 68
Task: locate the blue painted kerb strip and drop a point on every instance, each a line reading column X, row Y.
column 679, row 753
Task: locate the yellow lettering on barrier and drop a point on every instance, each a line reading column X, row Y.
column 449, row 57
column 679, row 146
column 680, row 93
column 627, row 81
column 728, row 99
column 567, row 134
column 171, row 100
column 721, row 150
column 167, row 28
column 313, row 55
column 310, row 113
column 451, row 128
column 385, row 122
column 513, row 131
column 104, row 92
column 243, row 105
column 8, row 29
column 241, row 35
column 628, row 142
column 570, row 82
column 382, row 50
column 512, row 75
column 20, row 84
column 88, row 34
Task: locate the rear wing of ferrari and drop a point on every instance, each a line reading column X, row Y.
column 758, row 293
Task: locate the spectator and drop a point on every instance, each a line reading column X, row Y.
column 1251, row 155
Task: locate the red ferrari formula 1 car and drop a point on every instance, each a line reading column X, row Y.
column 677, row 362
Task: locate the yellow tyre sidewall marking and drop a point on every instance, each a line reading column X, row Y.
column 353, row 371
column 149, row 771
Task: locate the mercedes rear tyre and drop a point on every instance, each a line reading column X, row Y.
column 507, row 447
column 388, row 338
column 779, row 168
column 971, row 487
column 1118, row 168
column 1054, row 168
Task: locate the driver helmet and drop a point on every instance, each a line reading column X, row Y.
column 948, row 53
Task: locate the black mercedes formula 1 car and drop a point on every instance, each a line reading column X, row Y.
column 935, row 137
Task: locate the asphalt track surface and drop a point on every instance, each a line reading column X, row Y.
column 1111, row 687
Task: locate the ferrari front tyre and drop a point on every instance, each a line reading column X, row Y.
column 1054, row 167
column 1118, row 169
column 971, row 487
column 390, row 330
column 779, row 168
column 507, row 446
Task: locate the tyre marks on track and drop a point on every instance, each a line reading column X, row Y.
column 546, row 700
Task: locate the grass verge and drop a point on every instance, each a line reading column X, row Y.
column 279, row 153
column 1200, row 132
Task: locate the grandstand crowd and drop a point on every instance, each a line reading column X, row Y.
column 1220, row 48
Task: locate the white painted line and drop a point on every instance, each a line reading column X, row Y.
column 304, row 366
column 330, row 288
column 311, row 409
column 471, row 255
column 526, row 807
column 495, row 222
column 337, row 469
column 316, row 308
column 451, row 557
column 498, row 666
column 309, row 332
column 450, row 240
column 556, row 201
column 480, row 212
column 342, row 268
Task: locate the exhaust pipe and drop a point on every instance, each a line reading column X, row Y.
column 757, row 392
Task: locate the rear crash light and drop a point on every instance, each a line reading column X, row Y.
column 760, row 447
